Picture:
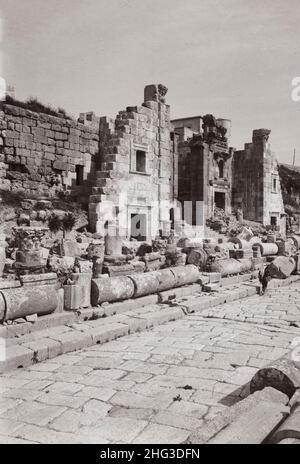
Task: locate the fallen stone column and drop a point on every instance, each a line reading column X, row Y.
column 185, row 275
column 246, row 264
column 267, row 249
column 166, row 279
column 108, row 289
column 242, row 244
column 136, row 285
column 226, row 267
column 283, row 375
column 145, row 284
column 24, row 301
column 158, row 281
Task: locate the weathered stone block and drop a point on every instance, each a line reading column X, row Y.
column 72, row 297
column 23, row 301
column 254, row 426
column 83, row 280
column 111, row 289
column 218, row 425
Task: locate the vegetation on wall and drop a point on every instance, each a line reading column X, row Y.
column 33, row 104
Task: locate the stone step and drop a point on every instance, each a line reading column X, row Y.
column 254, row 426
column 102, row 324
column 26, row 344
column 49, row 343
column 210, row 288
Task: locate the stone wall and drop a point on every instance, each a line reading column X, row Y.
column 42, row 155
column 138, row 171
column 290, row 186
column 204, row 166
column 256, row 182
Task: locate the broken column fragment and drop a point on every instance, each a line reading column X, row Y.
column 267, row 248
column 38, row 295
column 282, row 375
column 226, row 267
column 109, row 289
column 136, row 285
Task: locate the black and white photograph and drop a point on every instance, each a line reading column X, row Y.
column 149, row 225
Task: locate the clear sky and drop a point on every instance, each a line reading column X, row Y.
column 233, row 58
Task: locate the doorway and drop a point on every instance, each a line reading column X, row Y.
column 220, row 200
column 138, row 226
column 79, row 174
column 273, row 222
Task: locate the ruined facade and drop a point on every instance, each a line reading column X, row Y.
column 256, row 186
column 43, row 156
column 137, row 169
column 213, row 173
column 140, row 172
column 204, row 165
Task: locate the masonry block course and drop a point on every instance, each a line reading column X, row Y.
column 39, row 153
column 139, row 168
column 256, row 182
column 204, row 166
column 136, row 169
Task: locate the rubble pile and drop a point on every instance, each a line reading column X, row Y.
column 233, row 225
column 69, row 269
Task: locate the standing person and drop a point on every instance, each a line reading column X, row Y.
column 264, row 278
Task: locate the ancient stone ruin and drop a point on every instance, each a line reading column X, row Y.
column 102, row 210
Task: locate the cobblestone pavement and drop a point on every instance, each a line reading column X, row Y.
column 150, row 387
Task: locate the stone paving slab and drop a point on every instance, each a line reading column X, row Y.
column 154, row 386
column 81, row 332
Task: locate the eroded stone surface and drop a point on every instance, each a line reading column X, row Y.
column 158, row 385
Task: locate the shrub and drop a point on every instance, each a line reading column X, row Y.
column 66, row 224
column 33, row 104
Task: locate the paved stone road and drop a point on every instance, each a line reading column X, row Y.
column 150, row 387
